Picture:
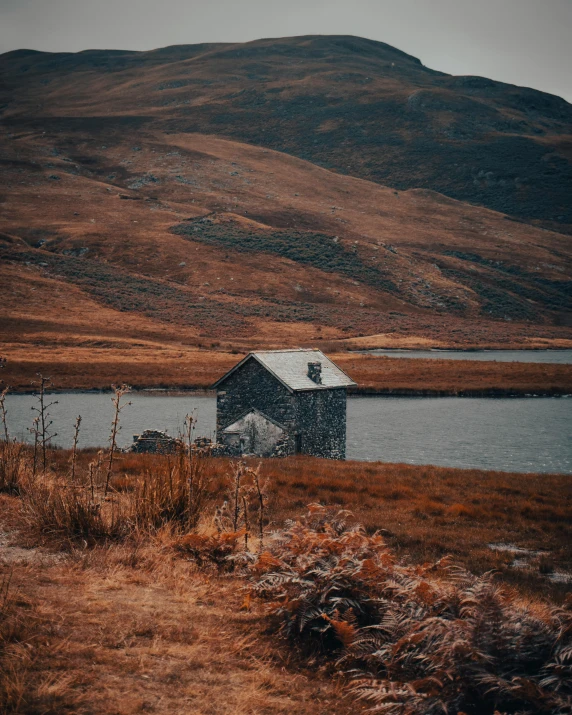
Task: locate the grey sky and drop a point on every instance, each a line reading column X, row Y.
column 526, row 42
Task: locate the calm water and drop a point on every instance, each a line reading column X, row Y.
column 561, row 357
column 512, row 434
column 509, row 434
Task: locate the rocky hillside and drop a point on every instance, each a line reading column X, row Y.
column 356, row 106
column 128, row 208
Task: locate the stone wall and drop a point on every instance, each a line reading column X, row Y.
column 321, row 420
column 315, row 419
column 253, row 386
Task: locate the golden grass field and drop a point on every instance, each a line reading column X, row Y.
column 182, row 368
column 129, row 625
column 131, row 628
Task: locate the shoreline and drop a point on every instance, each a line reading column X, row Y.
column 162, row 372
column 370, row 351
column 174, row 391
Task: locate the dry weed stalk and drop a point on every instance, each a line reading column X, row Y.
column 237, row 472
column 119, row 392
column 3, row 412
column 246, row 521
column 260, row 490
column 42, row 422
column 34, row 429
column 74, row 449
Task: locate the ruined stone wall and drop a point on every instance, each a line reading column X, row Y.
column 321, row 419
column 253, row 386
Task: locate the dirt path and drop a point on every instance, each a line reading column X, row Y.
column 129, row 630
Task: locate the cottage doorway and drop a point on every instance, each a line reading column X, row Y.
column 298, row 443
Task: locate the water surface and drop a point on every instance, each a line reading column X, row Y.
column 559, row 357
column 510, row 434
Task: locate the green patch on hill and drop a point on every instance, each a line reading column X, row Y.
column 318, row 250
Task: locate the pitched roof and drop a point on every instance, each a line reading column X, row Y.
column 290, row 367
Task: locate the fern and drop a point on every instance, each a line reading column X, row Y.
column 414, row 640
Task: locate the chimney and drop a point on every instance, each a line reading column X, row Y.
column 315, row 372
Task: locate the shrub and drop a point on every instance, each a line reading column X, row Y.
column 62, row 510
column 425, row 639
column 12, row 463
column 177, row 490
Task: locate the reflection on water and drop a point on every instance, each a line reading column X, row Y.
column 511, row 434
column 560, row 357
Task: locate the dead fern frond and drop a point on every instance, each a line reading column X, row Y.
column 414, row 639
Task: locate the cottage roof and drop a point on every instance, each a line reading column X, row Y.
column 290, row 367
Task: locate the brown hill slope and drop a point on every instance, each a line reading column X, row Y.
column 184, row 237
column 358, row 106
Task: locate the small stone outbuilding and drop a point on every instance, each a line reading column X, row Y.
column 280, row 402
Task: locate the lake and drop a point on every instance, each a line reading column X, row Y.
column 510, row 434
column 558, row 357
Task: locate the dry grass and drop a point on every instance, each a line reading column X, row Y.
column 132, row 628
column 426, row 512
column 136, row 622
column 12, row 462
column 173, row 367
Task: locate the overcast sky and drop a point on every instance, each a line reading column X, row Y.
column 526, row 42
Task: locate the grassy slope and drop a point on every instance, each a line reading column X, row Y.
column 84, row 268
column 103, row 242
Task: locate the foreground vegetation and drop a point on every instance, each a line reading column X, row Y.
column 379, row 605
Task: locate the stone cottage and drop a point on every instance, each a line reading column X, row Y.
column 283, row 402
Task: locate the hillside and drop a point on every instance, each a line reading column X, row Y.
column 122, row 228
column 357, row 106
